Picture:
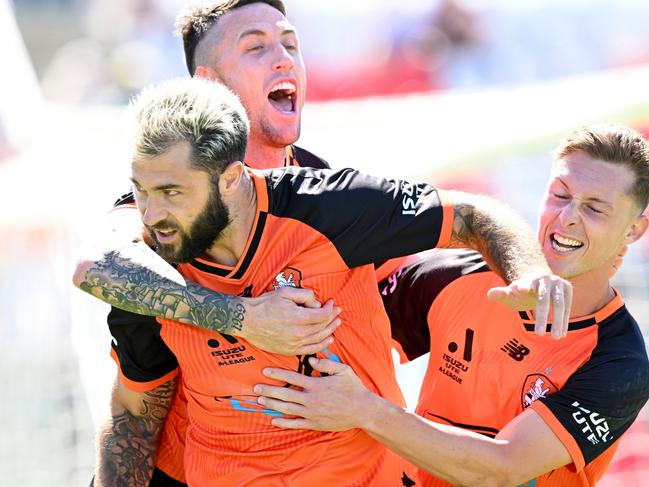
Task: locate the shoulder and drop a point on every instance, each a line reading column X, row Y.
column 308, row 159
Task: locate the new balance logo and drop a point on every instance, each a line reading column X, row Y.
column 407, row 481
column 515, row 350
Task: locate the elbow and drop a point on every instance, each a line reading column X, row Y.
column 499, row 472
column 491, row 479
column 80, row 272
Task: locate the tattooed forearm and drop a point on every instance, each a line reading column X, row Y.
column 138, row 280
column 128, row 442
column 505, row 240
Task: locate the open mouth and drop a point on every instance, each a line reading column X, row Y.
column 283, row 97
column 564, row 244
column 164, row 236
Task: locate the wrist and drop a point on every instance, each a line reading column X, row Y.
column 242, row 311
column 374, row 413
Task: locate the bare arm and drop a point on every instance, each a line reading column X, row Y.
column 504, row 238
column 121, row 270
column 128, row 441
column 509, row 246
column 524, row 449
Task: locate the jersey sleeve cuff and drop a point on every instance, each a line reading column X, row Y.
column 447, row 219
column 564, row 436
column 123, row 206
column 141, row 386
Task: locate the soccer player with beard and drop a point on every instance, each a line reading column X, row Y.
column 500, row 405
column 252, row 48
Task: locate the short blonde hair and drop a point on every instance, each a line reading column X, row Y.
column 205, row 114
column 616, row 144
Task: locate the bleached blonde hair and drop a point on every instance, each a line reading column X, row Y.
column 203, row 113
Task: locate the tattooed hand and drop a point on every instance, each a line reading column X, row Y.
column 290, row 321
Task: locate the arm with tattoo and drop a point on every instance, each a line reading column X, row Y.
column 136, row 279
column 123, row 271
column 127, row 443
column 504, row 239
column 509, row 246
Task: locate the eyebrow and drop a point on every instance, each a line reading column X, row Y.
column 161, row 187
column 259, row 32
column 596, row 200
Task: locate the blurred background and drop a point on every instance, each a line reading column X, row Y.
column 468, row 94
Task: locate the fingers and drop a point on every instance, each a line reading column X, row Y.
column 282, row 406
column 558, row 311
column 320, row 340
column 272, row 395
column 568, row 307
column 313, row 348
column 498, row 293
column 294, row 424
column 542, row 307
column 327, row 366
column 287, row 376
column 302, row 297
column 556, row 294
column 319, row 316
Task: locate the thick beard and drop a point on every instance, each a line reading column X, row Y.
column 204, row 231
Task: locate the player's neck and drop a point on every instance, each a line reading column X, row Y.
column 591, row 292
column 264, row 156
column 229, row 247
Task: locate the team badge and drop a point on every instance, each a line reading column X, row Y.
column 536, row 386
column 289, row 277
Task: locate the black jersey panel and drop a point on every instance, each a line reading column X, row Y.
column 143, row 356
column 409, row 293
column 368, row 219
column 308, row 159
column 600, row 401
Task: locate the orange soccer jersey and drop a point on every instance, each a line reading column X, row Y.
column 318, row 230
column 170, row 470
column 487, row 365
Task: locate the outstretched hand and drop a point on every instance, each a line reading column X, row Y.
column 333, row 403
column 543, row 292
column 289, row 321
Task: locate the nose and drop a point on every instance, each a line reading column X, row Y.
column 283, row 60
column 569, row 214
column 152, row 213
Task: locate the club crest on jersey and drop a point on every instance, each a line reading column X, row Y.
column 289, row 277
column 536, row 386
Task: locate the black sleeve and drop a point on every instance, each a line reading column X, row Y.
column 308, row 159
column 409, row 293
column 142, row 354
column 368, row 219
column 600, row 401
column 125, row 199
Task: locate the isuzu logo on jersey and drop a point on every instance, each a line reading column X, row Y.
column 536, row 386
column 289, row 277
column 229, row 353
column 453, row 367
column 411, row 194
column 593, row 425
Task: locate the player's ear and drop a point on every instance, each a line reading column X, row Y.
column 230, row 178
column 206, row 72
column 637, row 229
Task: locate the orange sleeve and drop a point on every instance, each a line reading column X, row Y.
column 447, row 223
column 564, row 436
column 141, row 386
